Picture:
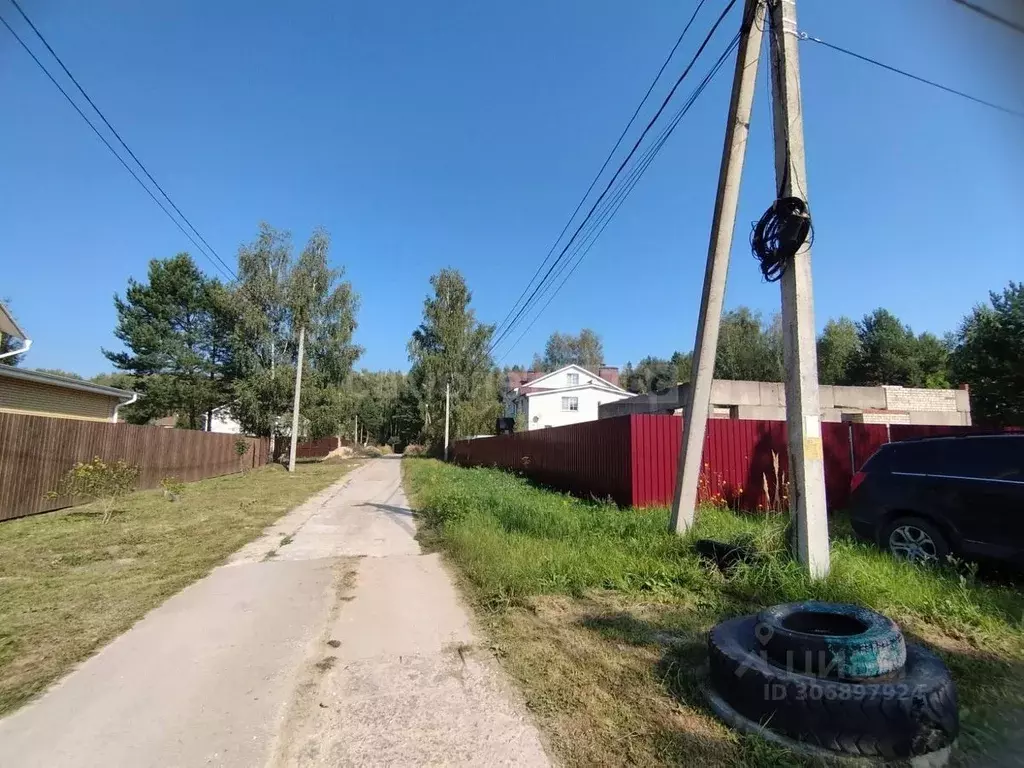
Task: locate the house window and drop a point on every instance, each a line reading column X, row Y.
column 574, row 379
column 570, row 403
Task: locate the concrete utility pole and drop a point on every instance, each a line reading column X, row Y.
column 803, row 414
column 447, row 414
column 298, row 393
column 723, row 224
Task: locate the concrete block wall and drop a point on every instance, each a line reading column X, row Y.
column 766, row 400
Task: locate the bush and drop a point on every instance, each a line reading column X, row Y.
column 173, row 488
column 386, row 450
column 413, row 449
column 241, row 448
column 99, row 481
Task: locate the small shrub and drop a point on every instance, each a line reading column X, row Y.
column 241, row 448
column 173, row 488
column 104, row 483
column 414, row 449
column 386, row 450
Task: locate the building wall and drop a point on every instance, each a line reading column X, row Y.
column 36, row 399
column 765, row 400
column 545, row 410
column 223, row 423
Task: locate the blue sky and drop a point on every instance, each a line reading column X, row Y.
column 462, row 134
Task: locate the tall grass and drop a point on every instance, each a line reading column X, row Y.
column 514, row 540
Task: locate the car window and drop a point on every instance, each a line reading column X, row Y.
column 924, row 458
column 994, row 457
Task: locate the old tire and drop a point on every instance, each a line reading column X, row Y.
column 912, row 715
column 831, row 640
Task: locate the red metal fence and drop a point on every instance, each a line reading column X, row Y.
column 36, row 452
column 632, row 459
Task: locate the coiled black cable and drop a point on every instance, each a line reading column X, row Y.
column 779, row 234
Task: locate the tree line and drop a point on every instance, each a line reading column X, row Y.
column 194, row 345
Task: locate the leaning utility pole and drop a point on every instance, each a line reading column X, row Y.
column 723, row 224
column 803, row 414
column 447, row 413
column 298, row 392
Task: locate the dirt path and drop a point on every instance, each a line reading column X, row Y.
column 329, row 641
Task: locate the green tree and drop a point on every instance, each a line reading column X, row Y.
column 60, row 372
column 683, row 362
column 749, row 349
column 564, row 349
column 838, row 349
column 277, row 295
column 174, row 332
column 933, row 360
column 988, row 357
column 8, row 343
column 451, row 347
column 651, row 374
column 886, row 355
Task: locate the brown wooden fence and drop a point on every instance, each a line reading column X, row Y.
column 36, row 451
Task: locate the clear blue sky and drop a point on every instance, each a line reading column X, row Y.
column 462, row 134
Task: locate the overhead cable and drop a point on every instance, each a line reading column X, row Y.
column 615, row 176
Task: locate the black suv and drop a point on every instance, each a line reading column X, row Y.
column 925, row 499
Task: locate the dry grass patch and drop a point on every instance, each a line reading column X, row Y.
column 69, row 583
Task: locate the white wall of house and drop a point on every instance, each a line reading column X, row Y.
column 224, row 423
column 567, row 406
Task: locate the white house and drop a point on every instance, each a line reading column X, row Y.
column 567, row 396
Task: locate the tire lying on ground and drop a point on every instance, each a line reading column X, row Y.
column 831, row 640
column 910, row 714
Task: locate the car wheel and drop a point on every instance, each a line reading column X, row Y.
column 914, row 539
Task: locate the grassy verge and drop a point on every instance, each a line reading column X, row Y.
column 70, row 583
column 601, row 615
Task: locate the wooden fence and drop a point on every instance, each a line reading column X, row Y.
column 632, row 459
column 36, row 452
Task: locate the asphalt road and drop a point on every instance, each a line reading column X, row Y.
column 342, row 645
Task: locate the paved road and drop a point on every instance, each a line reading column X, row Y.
column 329, row 641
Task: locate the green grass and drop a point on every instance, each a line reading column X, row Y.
column 588, row 599
column 69, row 583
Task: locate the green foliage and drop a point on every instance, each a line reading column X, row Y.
column 838, row 348
column 177, row 333
column 748, row 348
column 564, row 349
column 451, row 347
column 60, row 372
column 8, row 343
column 988, row 354
column 652, row 374
column 100, row 481
column 514, row 540
column 172, row 487
column 278, row 294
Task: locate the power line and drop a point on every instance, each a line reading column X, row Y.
column 604, row 165
column 991, row 16
column 222, row 266
column 624, row 190
column 102, row 137
column 932, row 83
column 618, row 171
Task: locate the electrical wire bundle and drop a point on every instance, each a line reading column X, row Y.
column 782, row 231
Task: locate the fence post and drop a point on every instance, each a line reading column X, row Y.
column 853, row 454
